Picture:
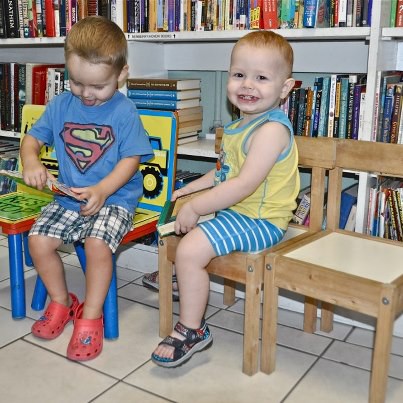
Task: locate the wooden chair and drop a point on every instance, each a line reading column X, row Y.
column 358, row 272
column 247, row 268
column 158, row 181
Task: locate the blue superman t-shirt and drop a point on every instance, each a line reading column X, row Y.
column 90, row 141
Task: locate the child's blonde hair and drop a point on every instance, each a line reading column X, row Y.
column 270, row 40
column 97, row 40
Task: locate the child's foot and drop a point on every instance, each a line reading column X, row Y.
column 56, row 316
column 183, row 342
column 151, row 281
column 87, row 340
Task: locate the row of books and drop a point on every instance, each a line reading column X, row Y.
column 387, row 117
column 9, row 151
column 332, row 107
column 348, row 208
column 180, row 95
column 385, row 216
column 54, row 18
column 27, row 83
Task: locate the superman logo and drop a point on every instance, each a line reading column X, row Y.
column 86, row 144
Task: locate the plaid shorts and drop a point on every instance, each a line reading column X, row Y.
column 110, row 224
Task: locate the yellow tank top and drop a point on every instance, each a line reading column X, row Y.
column 275, row 198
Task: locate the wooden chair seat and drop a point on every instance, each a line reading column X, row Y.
column 248, row 268
column 359, row 272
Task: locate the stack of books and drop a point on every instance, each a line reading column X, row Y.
column 179, row 95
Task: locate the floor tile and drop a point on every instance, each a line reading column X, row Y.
column 138, row 336
column 215, row 375
column 34, row 375
column 12, row 329
column 333, row 382
column 361, row 357
column 122, row 392
column 364, row 337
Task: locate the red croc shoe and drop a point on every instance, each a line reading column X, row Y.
column 51, row 324
column 87, row 339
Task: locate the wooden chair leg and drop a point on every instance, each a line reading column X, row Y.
column 269, row 326
column 165, row 270
column 310, row 314
column 229, row 292
column 383, row 343
column 326, row 320
column 252, row 317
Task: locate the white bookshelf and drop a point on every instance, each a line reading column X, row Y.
column 317, row 51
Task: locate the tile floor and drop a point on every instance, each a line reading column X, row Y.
column 310, row 368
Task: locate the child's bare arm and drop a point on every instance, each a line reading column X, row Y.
column 265, row 146
column 34, row 172
column 204, row 182
column 97, row 194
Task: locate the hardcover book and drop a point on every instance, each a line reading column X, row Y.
column 166, row 222
column 158, row 94
column 165, row 104
column 162, row 84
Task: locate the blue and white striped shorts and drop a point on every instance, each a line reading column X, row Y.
column 110, row 224
column 230, row 231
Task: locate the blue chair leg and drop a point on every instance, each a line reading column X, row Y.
column 39, row 296
column 111, row 318
column 17, row 284
column 27, row 256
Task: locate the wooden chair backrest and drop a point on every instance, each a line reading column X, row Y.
column 316, row 154
column 360, row 156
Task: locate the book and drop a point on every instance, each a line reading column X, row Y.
column 164, row 84
column 157, row 94
column 39, row 78
column 166, row 221
column 52, row 186
column 350, row 223
column 301, row 213
column 194, row 136
column 396, row 112
column 11, row 19
column 348, row 199
column 165, row 104
column 310, row 11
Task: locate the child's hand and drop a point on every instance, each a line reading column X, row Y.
column 95, row 199
column 35, row 175
column 186, row 219
column 180, row 192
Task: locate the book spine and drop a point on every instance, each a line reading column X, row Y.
column 39, row 20
column 156, row 94
column 317, row 110
column 332, row 105
column 387, row 114
column 11, row 19
column 155, row 103
column 396, row 112
column 349, row 128
column 21, row 92
column 301, row 112
column 310, row 7
column 343, row 108
column 302, row 211
column 50, row 18
column 150, row 84
column 324, row 107
column 356, row 111
column 399, row 14
column 308, row 112
column 2, row 21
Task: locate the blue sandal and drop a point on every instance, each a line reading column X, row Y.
column 195, row 340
